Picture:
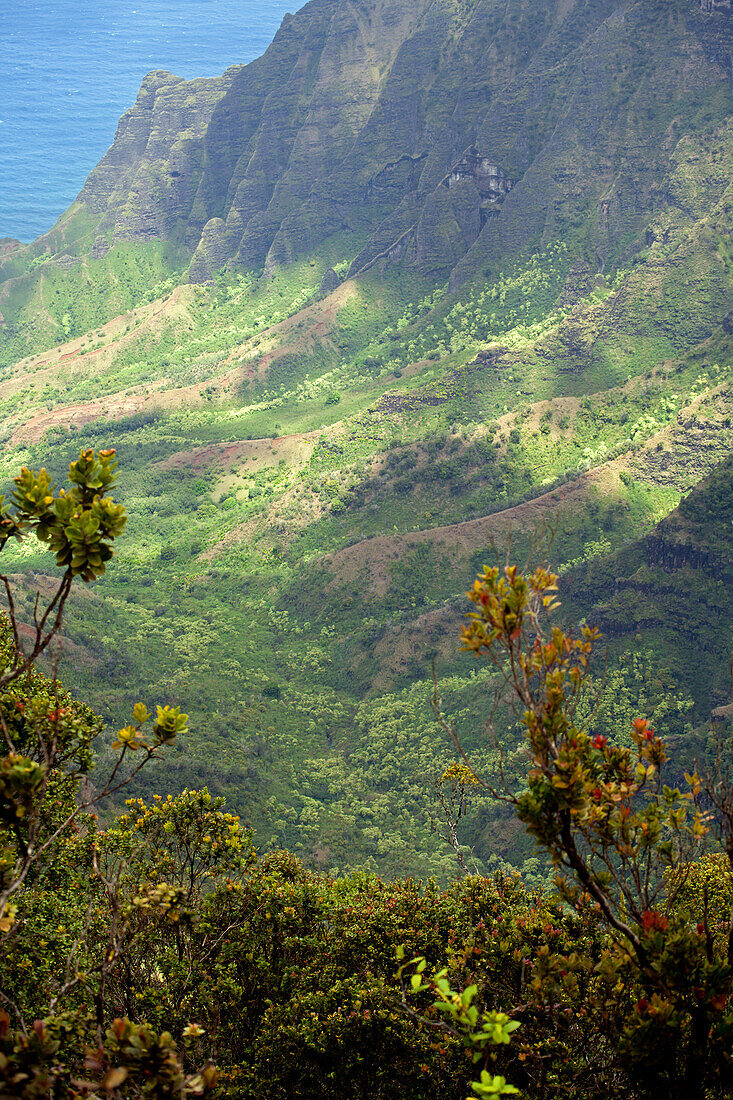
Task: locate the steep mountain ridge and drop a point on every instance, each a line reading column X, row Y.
column 572, row 104
column 394, row 119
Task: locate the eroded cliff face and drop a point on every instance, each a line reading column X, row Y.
column 448, row 134
column 146, row 184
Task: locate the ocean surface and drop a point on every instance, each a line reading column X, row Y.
column 70, row 68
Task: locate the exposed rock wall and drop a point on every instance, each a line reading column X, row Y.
column 710, row 6
column 671, row 554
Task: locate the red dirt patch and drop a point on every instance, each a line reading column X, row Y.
column 112, row 408
column 259, row 452
column 459, row 541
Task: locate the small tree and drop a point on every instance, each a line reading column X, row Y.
column 79, row 524
column 45, row 806
column 620, row 839
column 453, row 789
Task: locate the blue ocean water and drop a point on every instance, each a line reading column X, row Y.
column 69, row 68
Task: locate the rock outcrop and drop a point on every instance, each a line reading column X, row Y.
column 329, row 283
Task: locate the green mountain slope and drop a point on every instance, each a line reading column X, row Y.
column 671, row 591
column 421, row 278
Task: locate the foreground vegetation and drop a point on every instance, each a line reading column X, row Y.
column 328, row 418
